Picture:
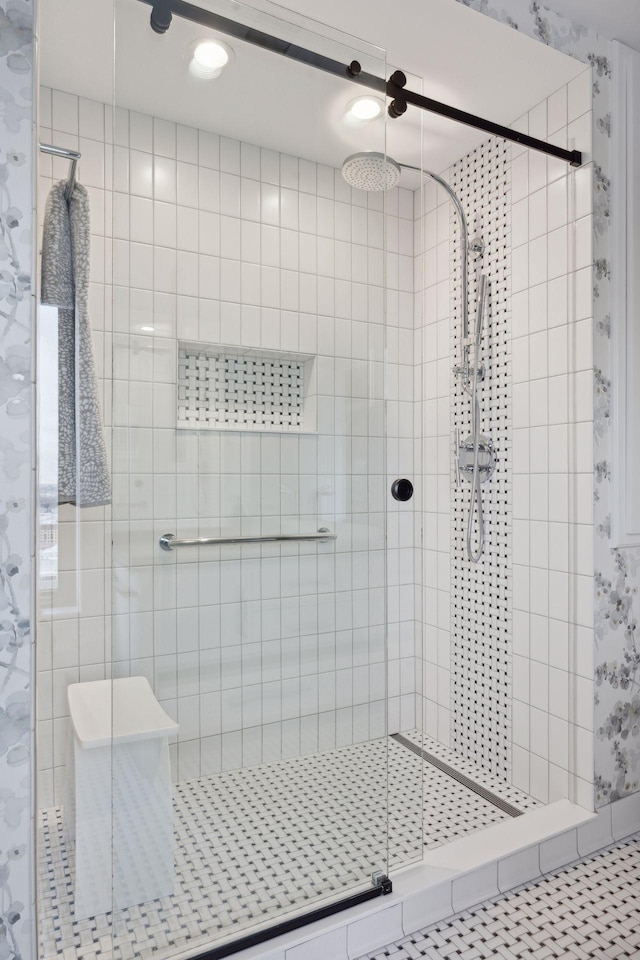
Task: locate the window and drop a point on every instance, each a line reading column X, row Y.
column 48, row 446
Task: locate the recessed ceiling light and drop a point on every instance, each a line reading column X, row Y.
column 208, row 58
column 147, row 329
column 365, row 108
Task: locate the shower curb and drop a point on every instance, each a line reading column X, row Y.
column 457, row 876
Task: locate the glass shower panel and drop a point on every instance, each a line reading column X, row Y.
column 249, row 407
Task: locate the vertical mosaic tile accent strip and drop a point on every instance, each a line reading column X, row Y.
column 480, row 604
column 16, row 520
column 246, row 392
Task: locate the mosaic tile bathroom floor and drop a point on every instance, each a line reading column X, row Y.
column 589, row 911
column 252, row 843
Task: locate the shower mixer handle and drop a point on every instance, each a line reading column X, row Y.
column 466, row 456
column 465, row 373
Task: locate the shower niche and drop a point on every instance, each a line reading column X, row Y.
column 236, row 388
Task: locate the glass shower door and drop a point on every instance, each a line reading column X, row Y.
column 249, row 563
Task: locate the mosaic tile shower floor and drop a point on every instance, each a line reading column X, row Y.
column 588, row 911
column 253, row 843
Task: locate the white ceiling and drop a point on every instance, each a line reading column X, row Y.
column 466, row 59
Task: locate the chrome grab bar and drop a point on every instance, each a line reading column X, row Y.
column 169, row 541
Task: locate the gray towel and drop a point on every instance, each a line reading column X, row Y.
column 83, row 469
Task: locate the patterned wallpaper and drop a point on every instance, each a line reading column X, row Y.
column 16, row 520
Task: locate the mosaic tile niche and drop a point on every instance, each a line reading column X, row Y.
column 220, row 388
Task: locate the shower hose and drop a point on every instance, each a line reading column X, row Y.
column 475, row 499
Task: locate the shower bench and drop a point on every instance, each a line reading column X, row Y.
column 118, row 807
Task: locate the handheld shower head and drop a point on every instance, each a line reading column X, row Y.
column 371, row 171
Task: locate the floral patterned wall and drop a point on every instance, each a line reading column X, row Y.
column 16, row 517
column 617, row 571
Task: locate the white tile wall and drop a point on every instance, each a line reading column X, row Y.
column 549, row 715
column 259, row 653
column 552, row 418
column 433, row 327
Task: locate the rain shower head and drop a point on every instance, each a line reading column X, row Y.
column 371, row 171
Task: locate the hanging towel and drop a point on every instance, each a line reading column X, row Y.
column 83, row 470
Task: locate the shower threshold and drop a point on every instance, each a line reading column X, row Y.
column 265, row 849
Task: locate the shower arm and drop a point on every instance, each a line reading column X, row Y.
column 469, row 380
column 464, row 240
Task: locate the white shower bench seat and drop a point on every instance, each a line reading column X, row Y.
column 118, row 805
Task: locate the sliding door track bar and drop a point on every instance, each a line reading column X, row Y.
column 382, row 886
column 394, row 88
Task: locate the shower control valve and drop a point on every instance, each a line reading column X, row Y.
column 465, row 456
column 465, row 372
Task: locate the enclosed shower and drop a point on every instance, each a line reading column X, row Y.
column 286, row 659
